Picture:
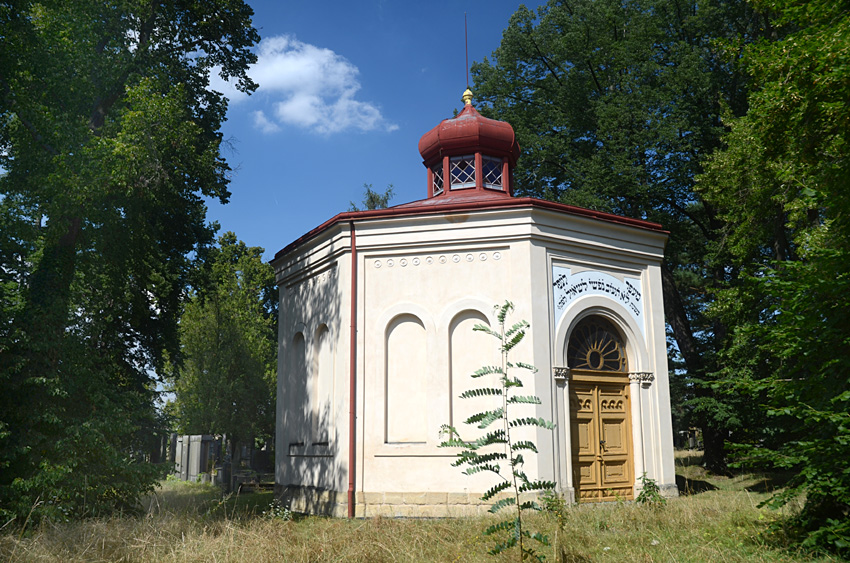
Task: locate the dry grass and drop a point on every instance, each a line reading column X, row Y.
column 719, row 521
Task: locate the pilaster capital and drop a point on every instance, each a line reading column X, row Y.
column 642, row 377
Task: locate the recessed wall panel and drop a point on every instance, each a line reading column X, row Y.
column 406, row 371
column 470, row 350
column 323, row 387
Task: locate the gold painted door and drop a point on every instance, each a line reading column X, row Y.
column 601, row 435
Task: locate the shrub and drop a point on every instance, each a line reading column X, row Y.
column 499, row 445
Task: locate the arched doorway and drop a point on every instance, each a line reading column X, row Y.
column 600, row 415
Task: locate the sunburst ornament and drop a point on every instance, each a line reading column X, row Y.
column 595, row 345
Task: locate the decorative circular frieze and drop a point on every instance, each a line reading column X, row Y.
column 442, row 259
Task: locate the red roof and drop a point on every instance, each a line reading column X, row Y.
column 466, row 203
column 468, row 133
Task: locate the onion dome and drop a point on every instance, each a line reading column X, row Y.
column 469, row 152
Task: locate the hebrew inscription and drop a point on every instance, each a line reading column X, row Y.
column 567, row 287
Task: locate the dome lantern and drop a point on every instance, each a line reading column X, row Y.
column 469, row 154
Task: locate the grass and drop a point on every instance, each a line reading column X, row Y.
column 718, row 519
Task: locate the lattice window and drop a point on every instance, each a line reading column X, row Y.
column 437, row 186
column 462, row 171
column 492, row 170
column 596, row 345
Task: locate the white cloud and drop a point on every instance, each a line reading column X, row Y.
column 262, row 123
column 306, row 86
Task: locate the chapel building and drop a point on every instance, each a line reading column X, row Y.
column 376, row 340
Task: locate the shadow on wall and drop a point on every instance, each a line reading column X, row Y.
column 313, row 394
column 318, row 483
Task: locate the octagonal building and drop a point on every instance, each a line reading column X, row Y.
column 376, row 340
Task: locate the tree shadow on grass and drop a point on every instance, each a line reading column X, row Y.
column 689, row 487
column 689, row 471
column 769, row 482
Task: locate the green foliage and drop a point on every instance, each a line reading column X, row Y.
column 373, row 199
column 277, row 511
column 615, row 104
column 650, row 493
column 484, row 453
column 108, row 141
column 782, row 185
column 225, row 381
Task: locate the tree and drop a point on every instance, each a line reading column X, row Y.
column 782, row 187
column 615, row 105
column 373, row 199
column 109, row 136
column 225, row 382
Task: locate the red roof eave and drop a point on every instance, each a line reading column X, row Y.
column 412, row 209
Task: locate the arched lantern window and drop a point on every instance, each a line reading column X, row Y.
column 596, row 345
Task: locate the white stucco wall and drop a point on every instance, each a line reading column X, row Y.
column 422, row 281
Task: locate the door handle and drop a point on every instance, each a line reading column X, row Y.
column 602, row 443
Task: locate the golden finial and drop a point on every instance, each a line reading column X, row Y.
column 467, row 97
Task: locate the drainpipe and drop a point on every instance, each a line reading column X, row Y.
column 352, row 379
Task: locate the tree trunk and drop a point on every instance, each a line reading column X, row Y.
column 674, row 311
column 235, row 461
column 714, row 439
column 714, row 455
column 33, row 362
column 48, row 298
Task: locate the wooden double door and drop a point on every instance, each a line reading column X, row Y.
column 600, row 424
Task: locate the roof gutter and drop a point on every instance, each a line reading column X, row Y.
column 352, row 377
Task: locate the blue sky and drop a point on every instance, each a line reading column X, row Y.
column 346, row 89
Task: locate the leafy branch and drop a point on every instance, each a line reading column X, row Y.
column 484, row 453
